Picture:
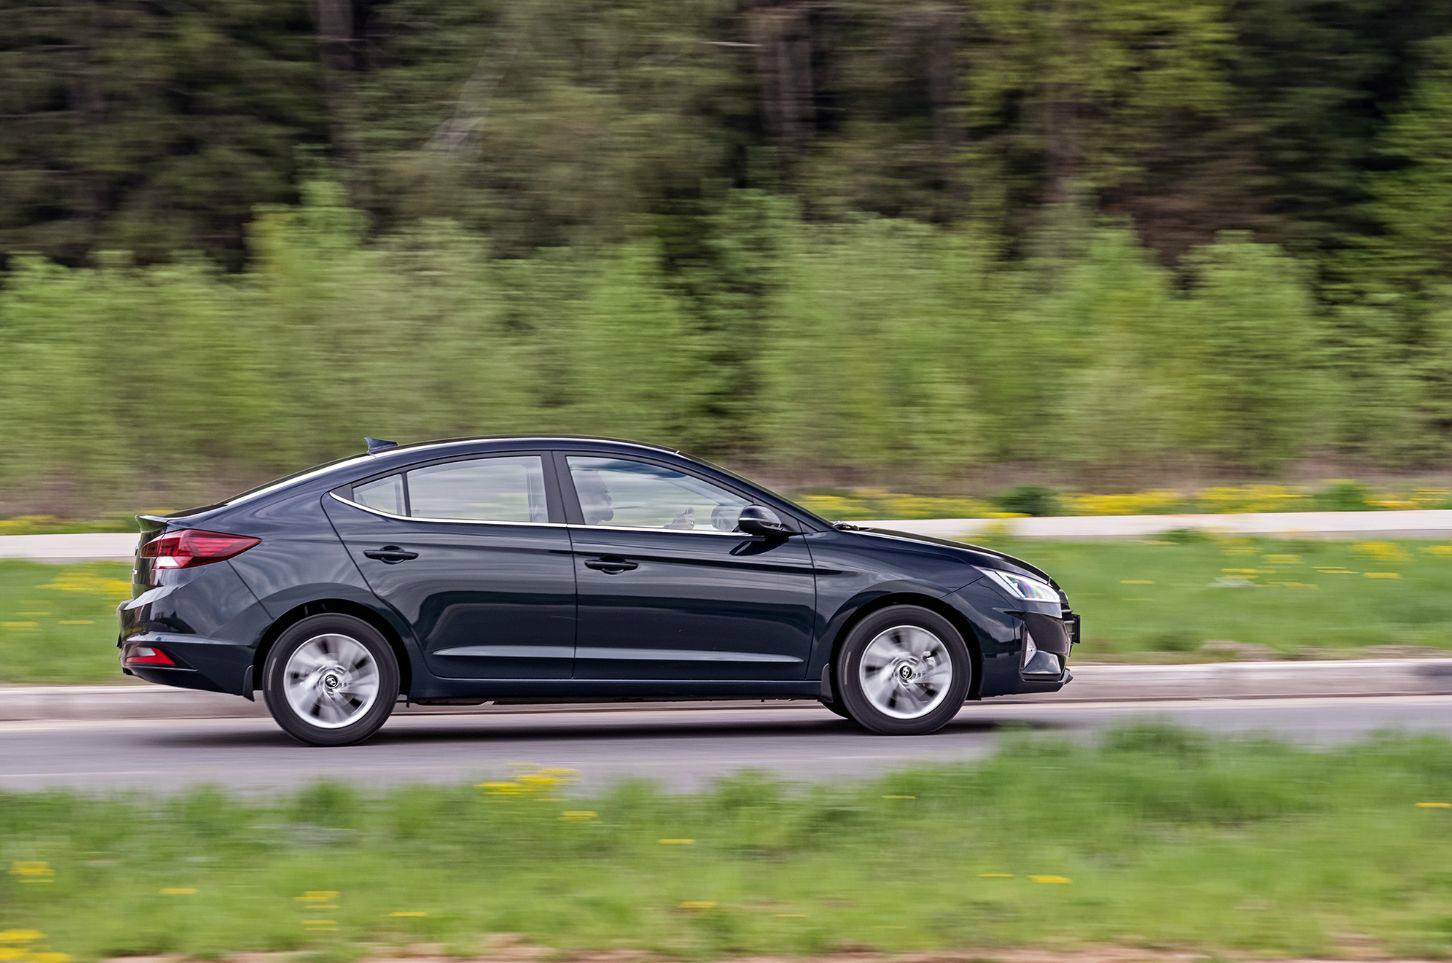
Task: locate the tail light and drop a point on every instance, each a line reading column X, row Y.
column 191, row 547
column 146, row 655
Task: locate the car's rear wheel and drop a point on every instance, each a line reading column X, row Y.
column 903, row 670
column 330, row 680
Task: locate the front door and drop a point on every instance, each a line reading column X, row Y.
column 466, row 552
column 667, row 589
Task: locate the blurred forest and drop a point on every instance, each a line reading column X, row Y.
column 935, row 241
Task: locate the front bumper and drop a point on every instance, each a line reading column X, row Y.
column 1003, row 629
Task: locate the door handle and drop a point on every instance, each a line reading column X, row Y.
column 611, row 564
column 391, row 554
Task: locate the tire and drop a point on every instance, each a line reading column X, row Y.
column 903, row 671
column 330, row 680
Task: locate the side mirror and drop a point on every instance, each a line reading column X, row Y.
column 756, row 520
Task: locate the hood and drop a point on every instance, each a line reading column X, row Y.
column 975, row 554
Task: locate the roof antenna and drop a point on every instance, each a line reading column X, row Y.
column 376, row 445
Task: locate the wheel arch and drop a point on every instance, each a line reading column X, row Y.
column 933, row 604
column 333, row 606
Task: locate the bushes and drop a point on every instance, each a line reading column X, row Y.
column 874, row 349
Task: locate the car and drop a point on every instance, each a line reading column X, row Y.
column 559, row 569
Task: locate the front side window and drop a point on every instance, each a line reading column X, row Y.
column 620, row 493
column 502, row 489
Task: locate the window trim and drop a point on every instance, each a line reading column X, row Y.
column 576, row 516
column 554, row 499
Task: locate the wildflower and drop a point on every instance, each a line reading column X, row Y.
column 177, row 891
column 408, row 914
column 1051, row 879
column 696, row 904
column 32, row 871
column 897, row 796
column 578, row 815
column 1384, row 575
column 995, row 876
column 501, row 788
column 676, row 841
column 21, row 936
column 1136, row 581
column 1434, row 805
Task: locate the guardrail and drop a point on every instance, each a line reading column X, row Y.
column 1426, row 523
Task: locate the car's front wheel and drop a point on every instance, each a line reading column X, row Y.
column 903, row 670
column 330, row 680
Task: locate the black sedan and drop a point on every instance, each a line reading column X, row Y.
column 557, row 569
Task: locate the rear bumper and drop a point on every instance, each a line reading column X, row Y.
column 211, row 665
column 204, row 619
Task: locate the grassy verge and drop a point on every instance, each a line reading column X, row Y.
column 1188, row 597
column 58, row 622
column 1156, row 837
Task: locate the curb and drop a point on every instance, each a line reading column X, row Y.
column 1092, row 683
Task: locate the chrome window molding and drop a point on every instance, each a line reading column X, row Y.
column 583, row 528
column 446, row 521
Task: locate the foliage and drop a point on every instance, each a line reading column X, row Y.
column 859, row 241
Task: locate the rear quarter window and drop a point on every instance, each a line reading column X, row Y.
column 382, row 494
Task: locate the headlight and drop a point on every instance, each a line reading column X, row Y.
column 1023, row 587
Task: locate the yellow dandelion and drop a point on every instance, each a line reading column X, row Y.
column 50, row 957
column 177, row 891
column 1051, row 879
column 995, row 876
column 1382, row 575
column 897, row 796
column 1439, row 550
column 505, row 788
column 408, row 914
column 1434, row 805
column 21, row 936
column 790, row 916
column 17, row 625
column 696, row 904
column 32, row 871
column 676, row 841
column 13, row 953
column 77, row 621
column 1136, row 581
column 537, row 780
column 578, row 815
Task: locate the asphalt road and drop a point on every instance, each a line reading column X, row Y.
column 680, row 748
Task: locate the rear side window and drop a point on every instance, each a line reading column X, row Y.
column 382, row 494
column 503, row 489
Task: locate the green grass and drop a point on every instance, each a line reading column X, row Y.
column 1163, row 599
column 58, row 622
column 1156, row 837
column 1171, row 596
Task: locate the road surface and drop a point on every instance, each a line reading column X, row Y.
column 682, row 749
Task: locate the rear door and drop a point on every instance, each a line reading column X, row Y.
column 668, row 590
column 472, row 552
